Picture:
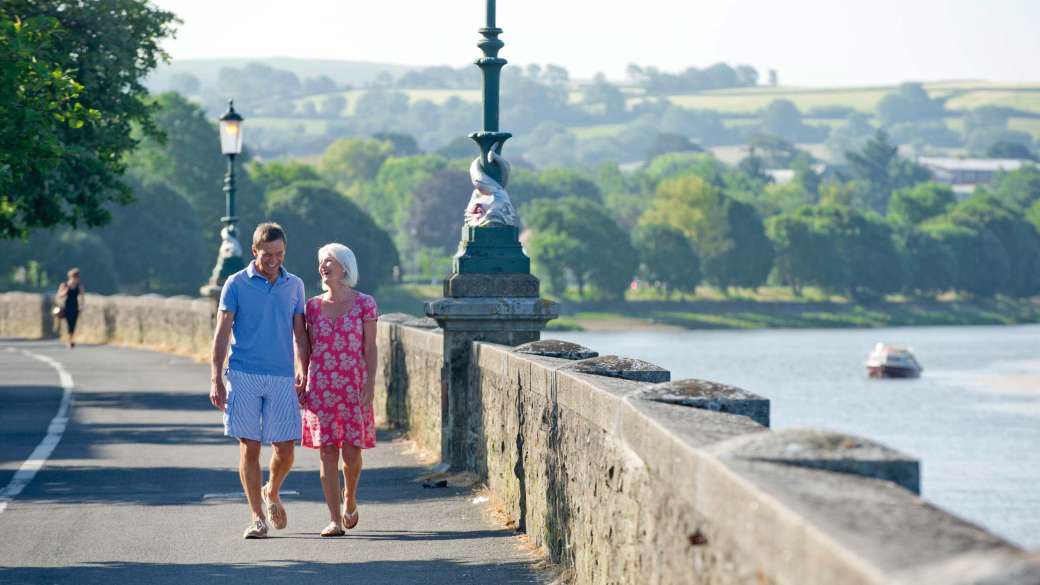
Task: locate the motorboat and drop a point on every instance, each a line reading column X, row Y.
column 889, row 361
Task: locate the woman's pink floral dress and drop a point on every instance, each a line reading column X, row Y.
column 332, row 412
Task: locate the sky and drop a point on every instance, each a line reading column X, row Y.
column 808, row 42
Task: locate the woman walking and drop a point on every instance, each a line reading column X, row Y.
column 337, row 407
column 70, row 301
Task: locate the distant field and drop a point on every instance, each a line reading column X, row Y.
column 437, row 96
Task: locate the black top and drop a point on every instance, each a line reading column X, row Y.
column 72, row 299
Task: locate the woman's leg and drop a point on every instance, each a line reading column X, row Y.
column 352, row 461
column 330, row 479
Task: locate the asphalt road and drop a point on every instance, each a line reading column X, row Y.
column 122, row 498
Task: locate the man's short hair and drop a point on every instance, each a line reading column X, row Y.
column 73, row 272
column 268, row 232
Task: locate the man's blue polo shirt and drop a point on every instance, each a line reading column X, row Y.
column 263, row 326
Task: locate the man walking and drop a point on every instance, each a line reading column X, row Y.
column 263, row 306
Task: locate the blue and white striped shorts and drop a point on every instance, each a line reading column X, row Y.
column 262, row 408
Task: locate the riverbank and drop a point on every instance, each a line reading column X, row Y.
column 765, row 310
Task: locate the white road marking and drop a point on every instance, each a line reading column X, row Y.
column 55, row 430
column 240, row 495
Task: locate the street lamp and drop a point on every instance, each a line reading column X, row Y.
column 229, row 257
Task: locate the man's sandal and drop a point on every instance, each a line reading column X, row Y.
column 333, row 529
column 275, row 510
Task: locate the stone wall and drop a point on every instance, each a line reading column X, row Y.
column 179, row 325
column 631, row 482
column 408, row 378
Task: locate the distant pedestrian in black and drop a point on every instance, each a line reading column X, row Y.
column 70, row 299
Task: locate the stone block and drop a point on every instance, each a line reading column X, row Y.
column 420, row 322
column 557, row 349
column 712, row 396
column 826, row 450
column 477, row 284
column 396, row 317
column 620, row 367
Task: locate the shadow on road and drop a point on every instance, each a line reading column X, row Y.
column 146, row 400
column 185, row 486
column 425, row 572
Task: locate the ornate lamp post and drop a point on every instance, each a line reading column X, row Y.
column 229, row 257
column 491, row 294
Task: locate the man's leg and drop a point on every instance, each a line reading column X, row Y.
column 249, row 473
column 281, row 463
column 282, row 427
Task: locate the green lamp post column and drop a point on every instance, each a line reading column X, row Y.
column 489, row 249
column 491, row 294
column 229, row 256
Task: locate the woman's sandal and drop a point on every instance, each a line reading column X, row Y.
column 349, row 519
column 333, row 529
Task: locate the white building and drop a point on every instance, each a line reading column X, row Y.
column 963, row 174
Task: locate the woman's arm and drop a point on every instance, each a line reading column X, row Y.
column 368, row 393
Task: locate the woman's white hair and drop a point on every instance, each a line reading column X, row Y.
column 345, row 257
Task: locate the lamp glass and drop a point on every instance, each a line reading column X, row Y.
column 231, row 136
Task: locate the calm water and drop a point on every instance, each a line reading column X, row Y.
column 973, row 418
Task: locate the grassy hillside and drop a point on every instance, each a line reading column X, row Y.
column 342, row 72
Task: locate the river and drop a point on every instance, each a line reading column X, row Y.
column 973, row 418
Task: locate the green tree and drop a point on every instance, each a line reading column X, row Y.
column 435, row 218
column 982, row 261
column 189, row 161
column 807, row 252
column 604, row 259
column 1019, row 188
column 314, row 215
column 909, row 103
column 668, row 259
column 879, row 166
column 552, row 253
column 931, row 267
column 73, row 129
column 911, row 206
column 352, row 160
column 274, row 175
column 156, row 237
column 51, row 252
column 1019, row 239
column 727, row 234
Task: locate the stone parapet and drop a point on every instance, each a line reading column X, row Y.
column 408, row 378
column 181, row 325
column 630, row 482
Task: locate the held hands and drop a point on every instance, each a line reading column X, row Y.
column 301, row 386
column 218, row 394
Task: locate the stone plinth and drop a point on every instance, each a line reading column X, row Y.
column 501, row 308
column 620, row 367
column 710, row 396
column 557, row 349
column 830, row 451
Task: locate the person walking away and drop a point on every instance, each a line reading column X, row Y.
column 263, row 306
column 337, row 407
column 70, row 300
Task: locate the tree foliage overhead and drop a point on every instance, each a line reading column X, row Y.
column 95, row 54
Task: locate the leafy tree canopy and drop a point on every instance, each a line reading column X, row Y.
column 77, row 66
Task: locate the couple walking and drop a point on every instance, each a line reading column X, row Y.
column 325, row 399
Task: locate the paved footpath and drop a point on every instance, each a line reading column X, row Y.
column 123, row 496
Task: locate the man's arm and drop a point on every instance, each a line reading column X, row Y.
column 368, row 393
column 217, row 392
column 303, row 352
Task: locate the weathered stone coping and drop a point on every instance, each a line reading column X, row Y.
column 620, row 367
column 557, row 349
column 833, row 517
column 710, row 396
